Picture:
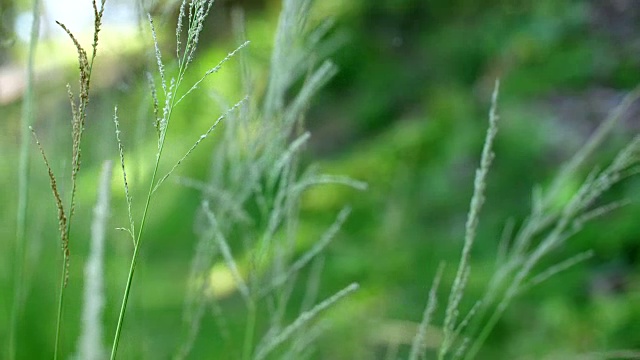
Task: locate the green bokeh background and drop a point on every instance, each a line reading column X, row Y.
column 407, row 114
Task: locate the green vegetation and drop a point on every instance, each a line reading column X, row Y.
column 295, row 197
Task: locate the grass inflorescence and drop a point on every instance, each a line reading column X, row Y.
column 547, row 228
column 78, row 118
column 195, row 12
column 253, row 197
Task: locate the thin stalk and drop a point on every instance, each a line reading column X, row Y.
column 247, row 349
column 60, row 305
column 170, row 102
column 123, row 308
column 134, row 258
column 63, row 277
column 23, row 183
column 63, row 273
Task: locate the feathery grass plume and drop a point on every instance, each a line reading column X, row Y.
column 477, row 200
column 256, row 172
column 549, row 226
column 553, row 226
column 197, row 12
column 64, row 236
column 155, row 106
column 214, row 69
column 90, row 345
column 26, row 120
column 78, row 107
column 79, row 115
column 129, row 199
column 200, row 139
column 62, row 217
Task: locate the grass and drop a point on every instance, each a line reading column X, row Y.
column 198, row 11
column 79, row 116
column 547, row 228
column 23, row 186
column 250, row 205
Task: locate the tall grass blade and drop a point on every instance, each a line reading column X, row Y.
column 27, row 119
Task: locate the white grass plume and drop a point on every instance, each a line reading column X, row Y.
column 91, row 346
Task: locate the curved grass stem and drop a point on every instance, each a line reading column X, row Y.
column 134, row 259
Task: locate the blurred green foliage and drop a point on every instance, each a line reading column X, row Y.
column 407, row 114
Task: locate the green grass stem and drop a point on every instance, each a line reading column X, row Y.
column 28, row 107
